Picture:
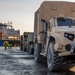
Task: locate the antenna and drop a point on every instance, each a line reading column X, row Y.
column 9, row 24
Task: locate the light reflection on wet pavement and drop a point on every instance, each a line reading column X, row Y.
column 16, row 62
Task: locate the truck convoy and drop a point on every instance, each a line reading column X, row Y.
column 54, row 33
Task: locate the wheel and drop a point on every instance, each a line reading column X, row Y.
column 31, row 49
column 54, row 62
column 38, row 57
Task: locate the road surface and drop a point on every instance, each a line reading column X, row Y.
column 16, row 62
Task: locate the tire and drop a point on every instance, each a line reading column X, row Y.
column 54, row 62
column 38, row 57
column 31, row 50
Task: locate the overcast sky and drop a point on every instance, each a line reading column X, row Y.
column 20, row 12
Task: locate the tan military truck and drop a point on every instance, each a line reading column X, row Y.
column 21, row 42
column 30, row 40
column 24, row 40
column 54, row 33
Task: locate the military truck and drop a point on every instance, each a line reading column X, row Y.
column 54, row 33
column 21, row 43
column 24, row 40
column 31, row 43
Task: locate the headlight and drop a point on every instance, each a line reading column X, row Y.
column 69, row 36
column 66, row 35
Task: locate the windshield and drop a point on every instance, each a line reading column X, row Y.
column 64, row 22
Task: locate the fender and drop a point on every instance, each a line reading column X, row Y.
column 57, row 39
column 52, row 38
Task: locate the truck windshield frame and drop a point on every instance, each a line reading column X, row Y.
column 65, row 22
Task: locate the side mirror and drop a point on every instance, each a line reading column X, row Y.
column 43, row 20
column 44, row 24
column 73, row 22
column 48, row 23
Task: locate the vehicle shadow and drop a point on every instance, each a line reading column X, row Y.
column 61, row 73
column 67, row 69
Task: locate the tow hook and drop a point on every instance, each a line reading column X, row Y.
column 70, row 47
column 72, row 50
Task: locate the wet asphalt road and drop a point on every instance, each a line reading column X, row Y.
column 16, row 62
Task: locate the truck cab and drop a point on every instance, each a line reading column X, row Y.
column 62, row 30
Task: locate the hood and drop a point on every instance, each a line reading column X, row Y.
column 63, row 29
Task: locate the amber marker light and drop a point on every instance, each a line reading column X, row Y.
column 72, row 69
